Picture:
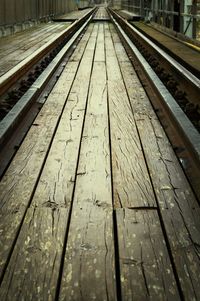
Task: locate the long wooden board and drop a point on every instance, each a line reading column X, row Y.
column 56, row 184
column 100, row 50
column 131, row 182
column 7, row 43
column 179, row 208
column 145, row 269
column 32, row 273
column 89, row 272
column 177, row 204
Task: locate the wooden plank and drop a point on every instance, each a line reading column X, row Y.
column 21, row 37
column 21, row 53
column 137, row 95
column 100, row 50
column 88, row 272
column 145, row 269
column 32, row 273
column 179, row 208
column 78, row 52
column 12, row 43
column 19, row 181
column 56, row 184
column 132, row 187
column 101, row 14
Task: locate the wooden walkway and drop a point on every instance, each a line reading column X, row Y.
column 73, row 15
column 95, row 206
column 16, row 48
column 101, row 14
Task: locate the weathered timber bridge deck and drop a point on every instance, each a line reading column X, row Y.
column 95, row 205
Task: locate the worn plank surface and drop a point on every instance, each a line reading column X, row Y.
column 89, row 272
column 33, row 270
column 177, row 204
column 15, row 49
column 19, row 40
column 18, row 183
column 145, row 269
column 179, row 208
column 56, row 183
column 131, row 183
column 101, row 14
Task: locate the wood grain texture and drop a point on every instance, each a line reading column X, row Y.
column 145, row 268
column 9, row 43
column 132, row 187
column 100, row 50
column 94, row 164
column 179, row 208
column 19, row 181
column 25, row 40
column 138, row 99
column 15, row 50
column 56, row 183
column 32, row 273
column 89, row 272
column 78, row 52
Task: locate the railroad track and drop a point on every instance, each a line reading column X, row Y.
column 174, row 92
column 171, row 88
column 22, row 84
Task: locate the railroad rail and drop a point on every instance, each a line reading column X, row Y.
column 174, row 92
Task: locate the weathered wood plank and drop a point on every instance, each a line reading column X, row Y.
column 7, row 43
column 179, row 208
column 100, row 50
column 132, row 187
column 22, row 50
column 19, row 181
column 137, row 95
column 32, row 273
column 145, row 269
column 89, row 272
column 89, row 261
column 78, row 52
column 11, row 43
column 56, row 183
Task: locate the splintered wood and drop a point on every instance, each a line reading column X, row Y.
column 94, row 205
